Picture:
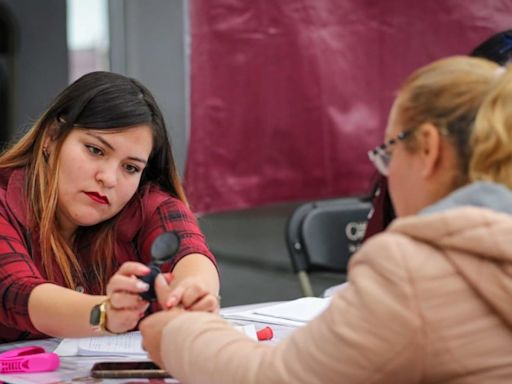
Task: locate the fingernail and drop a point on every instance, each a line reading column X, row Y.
column 169, row 276
column 161, row 280
column 142, row 286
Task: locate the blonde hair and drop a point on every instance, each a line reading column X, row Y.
column 448, row 94
column 491, row 141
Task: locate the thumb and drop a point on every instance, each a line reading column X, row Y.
column 174, row 297
column 162, row 289
column 169, row 277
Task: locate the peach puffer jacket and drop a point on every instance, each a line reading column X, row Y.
column 428, row 301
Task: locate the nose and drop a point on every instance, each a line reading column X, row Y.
column 107, row 175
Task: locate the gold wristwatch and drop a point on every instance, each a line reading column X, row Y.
column 98, row 318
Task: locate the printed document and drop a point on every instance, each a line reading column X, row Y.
column 294, row 313
column 126, row 344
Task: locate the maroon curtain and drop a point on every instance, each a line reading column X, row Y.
column 287, row 96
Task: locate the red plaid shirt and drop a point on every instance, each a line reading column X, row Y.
column 144, row 218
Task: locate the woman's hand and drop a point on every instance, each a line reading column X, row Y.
column 125, row 307
column 151, row 329
column 189, row 293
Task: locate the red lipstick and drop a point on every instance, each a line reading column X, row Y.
column 94, row 196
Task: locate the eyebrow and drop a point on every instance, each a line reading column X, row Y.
column 107, row 144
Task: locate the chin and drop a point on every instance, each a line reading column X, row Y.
column 90, row 220
column 88, row 223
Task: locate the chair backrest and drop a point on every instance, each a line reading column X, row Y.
column 322, row 235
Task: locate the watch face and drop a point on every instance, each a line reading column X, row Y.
column 95, row 317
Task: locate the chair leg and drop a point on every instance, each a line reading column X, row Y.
column 305, row 284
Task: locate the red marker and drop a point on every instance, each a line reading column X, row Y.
column 265, row 334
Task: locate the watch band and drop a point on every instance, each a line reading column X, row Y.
column 98, row 317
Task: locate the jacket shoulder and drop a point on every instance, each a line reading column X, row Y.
column 397, row 253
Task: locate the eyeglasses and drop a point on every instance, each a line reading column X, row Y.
column 381, row 155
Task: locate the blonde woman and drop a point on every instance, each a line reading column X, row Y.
column 83, row 195
column 429, row 298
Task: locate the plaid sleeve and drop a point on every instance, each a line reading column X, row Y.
column 18, row 276
column 174, row 215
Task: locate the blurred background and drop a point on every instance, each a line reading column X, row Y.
column 269, row 103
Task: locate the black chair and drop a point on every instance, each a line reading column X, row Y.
column 322, row 235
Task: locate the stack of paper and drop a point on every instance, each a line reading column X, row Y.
column 293, row 313
column 126, row 344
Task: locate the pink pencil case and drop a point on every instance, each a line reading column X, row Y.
column 28, row 359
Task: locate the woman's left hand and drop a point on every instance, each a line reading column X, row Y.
column 125, row 306
column 189, row 293
column 151, row 329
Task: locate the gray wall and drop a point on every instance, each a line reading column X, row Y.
column 148, row 43
column 39, row 66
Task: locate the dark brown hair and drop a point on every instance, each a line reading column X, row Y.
column 98, row 100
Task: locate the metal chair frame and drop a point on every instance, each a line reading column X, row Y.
column 322, row 236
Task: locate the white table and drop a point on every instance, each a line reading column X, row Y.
column 76, row 369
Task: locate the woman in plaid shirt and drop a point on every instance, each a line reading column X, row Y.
column 83, row 195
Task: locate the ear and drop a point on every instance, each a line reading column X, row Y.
column 49, row 140
column 430, row 149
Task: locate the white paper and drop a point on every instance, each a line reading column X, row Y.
column 301, row 310
column 250, row 316
column 248, row 329
column 127, row 344
column 295, row 313
column 67, row 347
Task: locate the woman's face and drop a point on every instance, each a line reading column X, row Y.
column 99, row 173
column 404, row 172
column 425, row 175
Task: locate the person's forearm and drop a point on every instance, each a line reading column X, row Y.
column 214, row 350
column 62, row 312
column 199, row 266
